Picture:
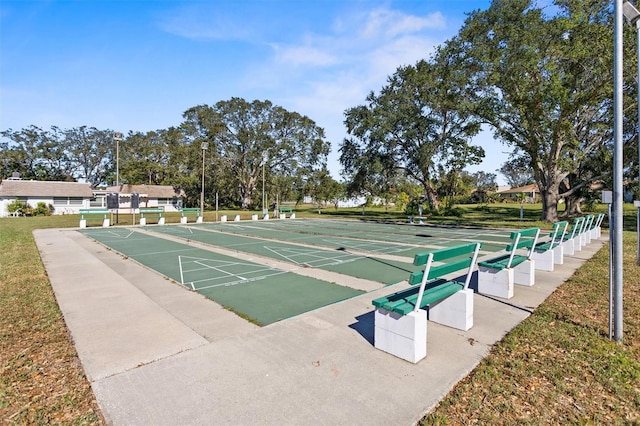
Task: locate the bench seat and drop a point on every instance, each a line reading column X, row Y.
column 502, row 262
column 404, row 301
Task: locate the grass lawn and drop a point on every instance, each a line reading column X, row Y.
column 558, row 366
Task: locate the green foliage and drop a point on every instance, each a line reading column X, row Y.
column 417, row 123
column 17, row 206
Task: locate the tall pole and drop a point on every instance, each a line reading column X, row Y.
column 117, row 137
column 616, row 238
column 637, row 203
column 204, row 147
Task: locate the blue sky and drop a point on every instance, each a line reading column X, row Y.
column 138, row 65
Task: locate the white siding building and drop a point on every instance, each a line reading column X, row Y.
column 65, row 197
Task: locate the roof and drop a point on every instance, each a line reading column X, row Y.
column 527, row 188
column 154, row 191
column 39, row 188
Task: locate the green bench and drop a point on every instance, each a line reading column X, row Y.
column 286, row 209
column 185, row 212
column 97, row 214
column 548, row 253
column 585, row 235
column 496, row 276
column 153, row 212
column 400, row 320
column 571, row 241
column 596, row 229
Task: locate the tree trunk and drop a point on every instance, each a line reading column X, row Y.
column 572, row 206
column 432, row 198
column 549, row 203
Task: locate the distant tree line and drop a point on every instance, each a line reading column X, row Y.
column 248, row 143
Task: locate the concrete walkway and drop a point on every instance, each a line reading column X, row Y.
column 156, row 354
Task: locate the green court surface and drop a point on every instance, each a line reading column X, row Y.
column 257, row 292
column 341, row 261
column 384, row 238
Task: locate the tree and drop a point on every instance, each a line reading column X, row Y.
column 517, row 172
column 322, row 188
column 544, row 84
column 245, row 138
column 90, row 154
column 417, row 122
column 38, row 154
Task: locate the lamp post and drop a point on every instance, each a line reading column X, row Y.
column 204, row 147
column 117, row 137
column 632, row 16
column 264, row 161
column 616, row 236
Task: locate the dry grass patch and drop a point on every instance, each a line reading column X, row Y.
column 41, row 380
column 558, row 366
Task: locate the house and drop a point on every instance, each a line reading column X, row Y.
column 165, row 196
column 528, row 191
column 65, row 197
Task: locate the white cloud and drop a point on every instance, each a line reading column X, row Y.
column 391, row 23
column 303, row 55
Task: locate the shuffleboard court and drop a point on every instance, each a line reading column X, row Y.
column 340, row 261
column 257, row 292
column 400, row 239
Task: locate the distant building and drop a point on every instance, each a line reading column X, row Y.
column 65, row 197
column 530, row 193
column 165, row 196
column 70, row 197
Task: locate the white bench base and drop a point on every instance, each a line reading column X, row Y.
column 544, row 261
column 404, row 336
column 223, row 218
column 143, row 221
column 161, row 221
column 199, row 219
column 558, row 254
column 183, row 219
column 568, row 247
column 293, row 216
column 500, row 283
column 283, row 215
column 236, row 218
column 455, row 311
column 495, row 283
column 254, row 217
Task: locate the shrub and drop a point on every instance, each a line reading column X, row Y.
column 18, row 207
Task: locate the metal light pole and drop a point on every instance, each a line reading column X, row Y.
column 117, row 137
column 264, row 162
column 204, row 147
column 616, row 237
column 632, row 15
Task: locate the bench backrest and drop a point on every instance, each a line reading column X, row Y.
column 558, row 232
column 598, row 220
column 523, row 239
column 588, row 222
column 576, row 226
column 469, row 251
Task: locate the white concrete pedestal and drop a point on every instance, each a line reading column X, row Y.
column 495, row 282
column 223, row 218
column 236, row 218
column 544, row 261
column 404, row 336
column 455, row 311
column 143, row 221
column 105, row 223
column 183, row 219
